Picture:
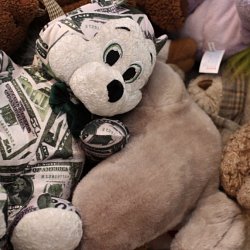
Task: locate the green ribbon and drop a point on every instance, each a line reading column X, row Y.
column 77, row 114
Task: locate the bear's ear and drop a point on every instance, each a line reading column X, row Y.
column 160, row 42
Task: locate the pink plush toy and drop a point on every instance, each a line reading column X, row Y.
column 225, row 24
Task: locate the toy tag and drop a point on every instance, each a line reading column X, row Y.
column 211, row 60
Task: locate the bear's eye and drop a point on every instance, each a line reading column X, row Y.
column 132, row 73
column 112, row 54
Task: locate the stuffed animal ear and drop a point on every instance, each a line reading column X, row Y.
column 160, row 42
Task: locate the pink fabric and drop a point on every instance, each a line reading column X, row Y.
column 218, row 22
column 243, row 7
column 193, row 4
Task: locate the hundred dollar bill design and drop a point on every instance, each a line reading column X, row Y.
column 56, row 178
column 3, row 216
column 107, row 2
column 103, row 137
column 38, row 155
column 8, row 69
column 40, row 161
column 24, row 110
column 88, row 20
column 42, row 201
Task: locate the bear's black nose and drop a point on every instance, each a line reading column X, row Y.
column 115, row 90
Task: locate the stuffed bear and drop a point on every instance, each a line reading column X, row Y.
column 235, row 166
column 16, row 17
column 87, row 64
column 166, row 17
column 117, row 209
column 40, row 160
column 166, row 178
column 223, row 25
column 225, row 96
column 182, row 51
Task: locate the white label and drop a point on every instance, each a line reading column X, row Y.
column 211, row 60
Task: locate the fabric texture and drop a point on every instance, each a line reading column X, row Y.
column 170, row 14
column 53, row 8
column 42, row 161
column 243, row 7
column 79, row 21
column 16, row 16
column 77, row 115
column 193, row 4
column 159, row 156
column 216, row 22
column 233, row 101
column 235, row 162
column 222, row 97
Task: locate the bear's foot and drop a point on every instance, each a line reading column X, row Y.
column 48, row 229
column 217, row 223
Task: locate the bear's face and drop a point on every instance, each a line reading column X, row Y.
column 107, row 72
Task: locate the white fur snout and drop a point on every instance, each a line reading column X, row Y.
column 105, row 94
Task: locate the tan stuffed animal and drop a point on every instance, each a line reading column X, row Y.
column 235, row 166
column 224, row 97
column 166, row 176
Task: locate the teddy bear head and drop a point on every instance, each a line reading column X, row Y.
column 92, row 50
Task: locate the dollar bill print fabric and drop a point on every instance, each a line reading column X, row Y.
column 87, row 21
column 40, row 161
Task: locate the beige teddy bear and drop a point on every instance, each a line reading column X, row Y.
column 225, row 97
column 235, row 166
column 166, row 177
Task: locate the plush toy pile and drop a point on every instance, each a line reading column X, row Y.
column 41, row 152
column 159, row 182
column 100, row 60
column 169, row 16
column 182, row 52
column 225, row 97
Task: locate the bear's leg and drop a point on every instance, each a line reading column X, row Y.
column 217, row 223
column 48, row 228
